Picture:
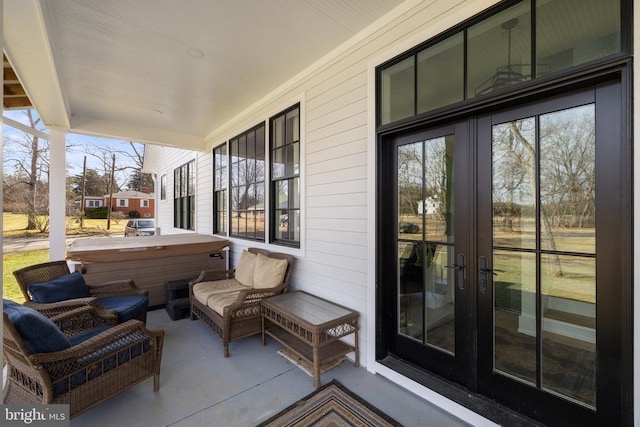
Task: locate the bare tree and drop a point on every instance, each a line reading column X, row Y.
column 128, row 168
column 515, row 145
column 28, row 158
column 410, row 171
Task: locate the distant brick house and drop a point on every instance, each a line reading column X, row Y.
column 125, row 202
column 92, row 202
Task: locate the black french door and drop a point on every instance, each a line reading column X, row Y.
column 509, row 235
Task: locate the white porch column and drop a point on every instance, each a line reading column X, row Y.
column 57, row 194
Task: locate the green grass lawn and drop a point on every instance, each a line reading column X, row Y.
column 14, row 261
column 14, row 225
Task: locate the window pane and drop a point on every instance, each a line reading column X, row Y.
column 437, row 206
column 191, row 184
column 278, row 131
column 572, row 32
column 410, row 176
column 282, row 194
column 259, row 146
column 397, row 91
column 247, row 189
column 568, row 353
column 499, row 51
column 221, row 211
column 278, row 168
column 295, row 147
column 220, row 165
column 514, row 289
column 183, row 181
column 259, row 211
column 282, row 221
column 294, row 193
column 441, row 74
column 293, row 126
column 411, row 293
column 285, row 167
column 514, row 184
column 290, row 162
column 568, row 179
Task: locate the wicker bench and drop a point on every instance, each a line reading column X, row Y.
column 228, row 301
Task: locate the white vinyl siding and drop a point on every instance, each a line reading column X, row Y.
column 204, row 189
column 336, row 101
column 169, row 159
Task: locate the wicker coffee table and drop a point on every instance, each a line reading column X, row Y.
column 310, row 327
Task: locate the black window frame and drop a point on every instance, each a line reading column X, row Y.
column 184, row 196
column 626, row 30
column 163, row 187
column 250, row 188
column 221, row 189
column 277, row 216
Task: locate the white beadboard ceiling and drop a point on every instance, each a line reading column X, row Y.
column 168, row 71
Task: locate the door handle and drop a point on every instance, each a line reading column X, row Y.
column 459, row 266
column 485, row 273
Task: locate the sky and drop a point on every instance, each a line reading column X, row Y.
column 80, row 145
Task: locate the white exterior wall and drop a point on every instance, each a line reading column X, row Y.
column 169, row 159
column 204, row 193
column 337, row 94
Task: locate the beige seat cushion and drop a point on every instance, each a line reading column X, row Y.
column 219, row 301
column 204, row 290
column 268, row 272
column 245, row 268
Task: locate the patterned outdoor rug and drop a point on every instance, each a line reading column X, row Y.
column 331, row 405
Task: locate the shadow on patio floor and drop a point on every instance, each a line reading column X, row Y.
column 199, row 387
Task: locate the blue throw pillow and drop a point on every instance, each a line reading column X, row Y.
column 63, row 288
column 39, row 334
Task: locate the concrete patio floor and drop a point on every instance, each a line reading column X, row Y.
column 199, row 387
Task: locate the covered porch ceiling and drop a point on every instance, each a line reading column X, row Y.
column 164, row 71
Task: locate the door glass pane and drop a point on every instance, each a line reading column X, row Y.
column 410, row 191
column 545, row 283
column 572, row 32
column 410, row 276
column 514, row 184
column 568, row 327
column 437, row 206
column 568, row 180
column 440, row 313
column 426, row 286
column 499, row 51
column 441, row 74
column 514, row 294
column 397, row 91
column 411, row 291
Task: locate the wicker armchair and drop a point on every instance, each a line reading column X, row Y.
column 116, row 296
column 94, row 362
column 228, row 304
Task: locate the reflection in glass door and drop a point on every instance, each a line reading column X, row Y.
column 535, row 198
column 426, row 291
column 543, row 188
